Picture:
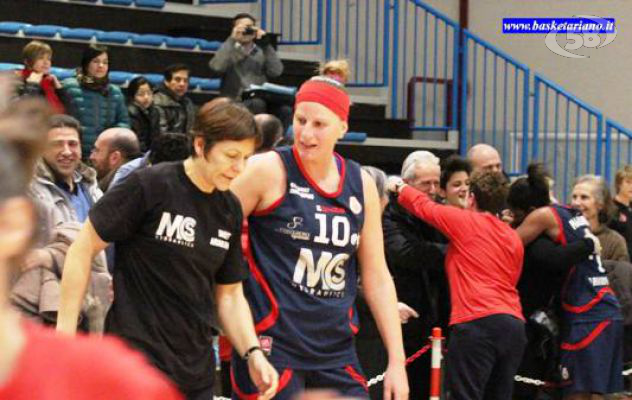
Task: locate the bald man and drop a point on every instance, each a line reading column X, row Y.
column 484, row 158
column 113, row 148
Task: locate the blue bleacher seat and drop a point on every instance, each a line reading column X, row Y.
column 42, row 30
column 78, row 33
column 209, row 84
column 118, row 2
column 11, row 27
column 114, row 37
column 120, row 77
column 150, row 3
column 150, row 40
column 155, row 79
column 62, row 73
column 10, row 66
column 182, row 42
column 209, row 45
column 354, row 137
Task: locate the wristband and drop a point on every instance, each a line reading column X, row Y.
column 251, row 350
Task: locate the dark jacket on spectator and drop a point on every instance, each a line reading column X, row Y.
column 95, row 110
column 622, row 223
column 145, row 123
column 415, row 257
column 176, row 115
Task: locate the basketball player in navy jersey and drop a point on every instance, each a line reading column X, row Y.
column 591, row 349
column 314, row 223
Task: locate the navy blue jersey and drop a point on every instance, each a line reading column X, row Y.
column 302, row 256
column 586, row 294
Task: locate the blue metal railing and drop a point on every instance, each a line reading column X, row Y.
column 494, row 102
column 359, row 31
column 299, row 22
column 567, row 134
column 424, row 81
column 621, row 154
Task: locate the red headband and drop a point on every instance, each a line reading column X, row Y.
column 330, row 96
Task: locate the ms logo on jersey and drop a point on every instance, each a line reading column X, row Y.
column 177, row 229
column 322, row 278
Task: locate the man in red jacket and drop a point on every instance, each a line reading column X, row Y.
column 483, row 264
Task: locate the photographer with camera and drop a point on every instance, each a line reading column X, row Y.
column 247, row 58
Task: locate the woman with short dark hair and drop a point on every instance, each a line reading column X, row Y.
column 144, row 116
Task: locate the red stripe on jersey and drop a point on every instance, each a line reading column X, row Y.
column 588, row 339
column 270, row 319
column 356, row 376
column 561, row 237
column 583, row 308
column 354, row 328
column 313, row 183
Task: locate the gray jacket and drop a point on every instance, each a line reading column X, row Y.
column 46, row 191
column 239, row 69
column 175, row 114
column 37, row 290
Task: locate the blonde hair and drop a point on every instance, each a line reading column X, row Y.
column 34, row 50
column 336, row 69
column 622, row 173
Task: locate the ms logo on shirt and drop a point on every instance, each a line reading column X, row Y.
column 178, row 229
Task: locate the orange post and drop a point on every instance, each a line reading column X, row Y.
column 435, row 367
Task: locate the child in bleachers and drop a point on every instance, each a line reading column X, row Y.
column 35, row 78
column 143, row 115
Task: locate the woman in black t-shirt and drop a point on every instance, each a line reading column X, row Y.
column 178, row 256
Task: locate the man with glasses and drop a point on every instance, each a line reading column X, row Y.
column 414, row 254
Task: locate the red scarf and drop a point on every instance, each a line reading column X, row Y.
column 48, row 86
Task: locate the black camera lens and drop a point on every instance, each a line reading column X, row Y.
column 249, row 30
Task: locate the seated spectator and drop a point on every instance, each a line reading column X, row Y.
column 143, row 114
column 113, row 148
column 37, row 363
column 622, row 221
column 591, row 196
column 248, row 58
column 92, row 100
column 36, row 79
column 65, row 190
column 175, row 109
column 272, row 130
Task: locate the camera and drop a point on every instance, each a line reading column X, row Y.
column 249, row 30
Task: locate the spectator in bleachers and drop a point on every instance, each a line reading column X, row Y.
column 455, row 181
column 36, row 79
column 167, row 147
column 248, row 58
column 415, row 255
column 92, row 100
column 113, row 148
column 591, row 196
column 175, row 108
column 622, row 221
column 272, row 130
column 484, row 158
column 143, row 115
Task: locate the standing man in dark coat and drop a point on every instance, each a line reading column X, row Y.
column 414, row 254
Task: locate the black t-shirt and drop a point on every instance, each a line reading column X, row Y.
column 173, row 243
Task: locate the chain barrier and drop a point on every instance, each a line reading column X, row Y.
column 418, row 353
